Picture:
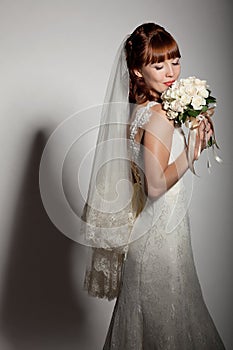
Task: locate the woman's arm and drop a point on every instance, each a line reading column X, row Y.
column 160, row 175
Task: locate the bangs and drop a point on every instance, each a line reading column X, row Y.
column 161, row 48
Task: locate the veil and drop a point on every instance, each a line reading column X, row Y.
column 108, row 215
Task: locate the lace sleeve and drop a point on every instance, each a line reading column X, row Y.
column 142, row 117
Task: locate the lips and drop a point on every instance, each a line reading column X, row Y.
column 169, row 83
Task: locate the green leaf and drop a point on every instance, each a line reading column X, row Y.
column 204, row 109
column 210, row 99
column 180, row 117
column 194, row 113
column 184, row 118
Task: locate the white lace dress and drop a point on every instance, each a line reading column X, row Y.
column 160, row 305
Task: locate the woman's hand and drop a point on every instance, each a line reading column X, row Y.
column 204, row 134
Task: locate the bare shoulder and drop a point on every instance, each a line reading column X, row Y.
column 159, row 112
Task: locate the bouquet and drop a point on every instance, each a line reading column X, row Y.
column 188, row 102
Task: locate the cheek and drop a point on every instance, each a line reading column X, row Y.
column 148, row 80
column 156, row 77
column 153, row 77
column 178, row 71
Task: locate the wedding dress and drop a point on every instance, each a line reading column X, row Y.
column 160, row 305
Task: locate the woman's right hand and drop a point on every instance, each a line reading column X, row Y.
column 203, row 135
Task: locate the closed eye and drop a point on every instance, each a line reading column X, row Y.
column 176, row 63
column 158, row 67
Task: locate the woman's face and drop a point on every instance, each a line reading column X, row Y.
column 159, row 76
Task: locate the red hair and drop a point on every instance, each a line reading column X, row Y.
column 148, row 44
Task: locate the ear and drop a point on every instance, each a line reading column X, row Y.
column 137, row 73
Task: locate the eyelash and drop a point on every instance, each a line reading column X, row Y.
column 174, row 64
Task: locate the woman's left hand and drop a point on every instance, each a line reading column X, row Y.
column 206, row 128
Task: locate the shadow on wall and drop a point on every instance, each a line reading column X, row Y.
column 40, row 308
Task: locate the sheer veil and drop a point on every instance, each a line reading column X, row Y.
column 108, row 215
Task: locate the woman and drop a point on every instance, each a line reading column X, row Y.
column 160, row 303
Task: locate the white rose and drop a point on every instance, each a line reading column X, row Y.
column 181, row 90
column 174, row 94
column 167, row 93
column 198, row 102
column 166, row 105
column 191, row 90
column 177, row 93
column 190, row 80
column 176, row 106
column 203, row 92
column 185, row 99
column 187, row 81
column 175, row 84
column 197, row 81
column 172, row 114
column 200, row 82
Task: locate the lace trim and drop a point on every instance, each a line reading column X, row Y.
column 103, row 279
column 109, row 234
column 142, row 117
column 108, row 230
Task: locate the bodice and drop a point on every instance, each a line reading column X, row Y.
column 142, row 117
column 173, row 202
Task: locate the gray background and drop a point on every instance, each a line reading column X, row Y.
column 55, row 60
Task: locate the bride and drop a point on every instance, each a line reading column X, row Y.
column 142, row 253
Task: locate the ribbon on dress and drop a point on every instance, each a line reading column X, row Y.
column 192, row 123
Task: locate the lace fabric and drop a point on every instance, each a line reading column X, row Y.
column 103, row 279
column 108, row 214
column 143, row 258
column 106, row 264
column 142, row 116
column 160, row 305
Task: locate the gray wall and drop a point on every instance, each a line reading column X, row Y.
column 55, row 60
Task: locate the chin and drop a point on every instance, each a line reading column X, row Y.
column 158, row 91
column 162, row 90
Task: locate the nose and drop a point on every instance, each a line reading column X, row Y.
column 170, row 70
